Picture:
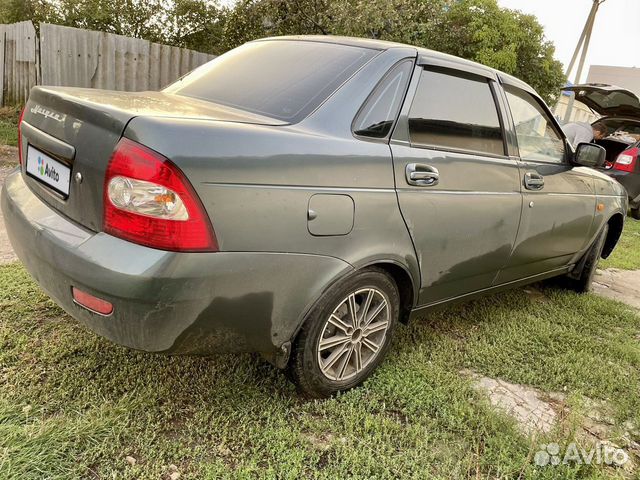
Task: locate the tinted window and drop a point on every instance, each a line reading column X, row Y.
column 455, row 111
column 379, row 112
column 537, row 138
column 280, row 79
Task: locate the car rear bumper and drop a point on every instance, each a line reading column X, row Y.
column 164, row 301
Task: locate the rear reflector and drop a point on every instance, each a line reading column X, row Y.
column 92, row 303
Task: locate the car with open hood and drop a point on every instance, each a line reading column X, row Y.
column 619, row 109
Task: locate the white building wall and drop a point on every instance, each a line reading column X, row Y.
column 625, row 77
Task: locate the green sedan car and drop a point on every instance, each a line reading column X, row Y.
column 301, row 197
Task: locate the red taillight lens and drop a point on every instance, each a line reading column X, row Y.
column 92, row 303
column 20, row 135
column 148, row 200
column 627, row 160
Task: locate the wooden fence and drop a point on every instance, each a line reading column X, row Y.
column 73, row 57
column 19, row 67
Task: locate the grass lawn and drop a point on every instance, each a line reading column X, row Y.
column 9, row 125
column 73, row 405
column 626, row 256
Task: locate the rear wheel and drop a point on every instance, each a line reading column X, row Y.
column 582, row 282
column 635, row 213
column 347, row 335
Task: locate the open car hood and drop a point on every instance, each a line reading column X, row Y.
column 607, row 100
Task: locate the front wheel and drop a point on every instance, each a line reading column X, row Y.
column 347, row 335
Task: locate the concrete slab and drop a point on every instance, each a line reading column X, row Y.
column 621, row 285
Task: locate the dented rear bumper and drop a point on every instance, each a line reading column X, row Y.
column 163, row 301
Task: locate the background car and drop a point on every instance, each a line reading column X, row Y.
column 620, row 111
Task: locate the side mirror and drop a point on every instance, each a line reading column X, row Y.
column 590, row 155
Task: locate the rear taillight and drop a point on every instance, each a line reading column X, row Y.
column 627, row 160
column 20, row 135
column 148, row 200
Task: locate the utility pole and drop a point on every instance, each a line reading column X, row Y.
column 583, row 44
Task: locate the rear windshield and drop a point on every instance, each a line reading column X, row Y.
column 286, row 80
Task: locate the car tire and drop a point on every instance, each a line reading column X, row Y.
column 635, row 213
column 336, row 349
column 582, row 282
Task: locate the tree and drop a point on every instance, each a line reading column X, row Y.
column 12, row 11
column 504, row 39
column 195, row 24
column 395, row 20
column 477, row 30
column 185, row 23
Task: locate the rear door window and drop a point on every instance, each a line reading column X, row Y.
column 538, row 139
column 455, row 110
column 286, row 80
column 376, row 118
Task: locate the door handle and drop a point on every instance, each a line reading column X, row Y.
column 533, row 181
column 422, row 175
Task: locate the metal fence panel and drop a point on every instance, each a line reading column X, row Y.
column 20, row 68
column 2, row 47
column 73, row 57
column 83, row 58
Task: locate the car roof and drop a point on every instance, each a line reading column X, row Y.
column 381, row 45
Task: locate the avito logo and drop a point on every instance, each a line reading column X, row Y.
column 46, row 171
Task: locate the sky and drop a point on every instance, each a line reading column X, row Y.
column 616, row 34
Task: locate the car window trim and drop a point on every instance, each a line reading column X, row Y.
column 509, row 126
column 440, row 148
column 493, row 86
column 458, row 65
column 451, row 71
column 364, row 105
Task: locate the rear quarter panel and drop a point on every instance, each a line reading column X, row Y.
column 256, row 181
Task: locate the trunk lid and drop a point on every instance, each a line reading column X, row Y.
column 607, row 100
column 77, row 130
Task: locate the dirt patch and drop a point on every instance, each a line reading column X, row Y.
column 621, row 285
column 8, row 161
column 8, row 156
column 535, row 294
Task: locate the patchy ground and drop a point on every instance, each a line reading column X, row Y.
column 531, row 408
column 9, row 125
column 540, row 413
column 8, row 160
column 621, row 285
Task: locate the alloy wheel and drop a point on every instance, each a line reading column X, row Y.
column 354, row 334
